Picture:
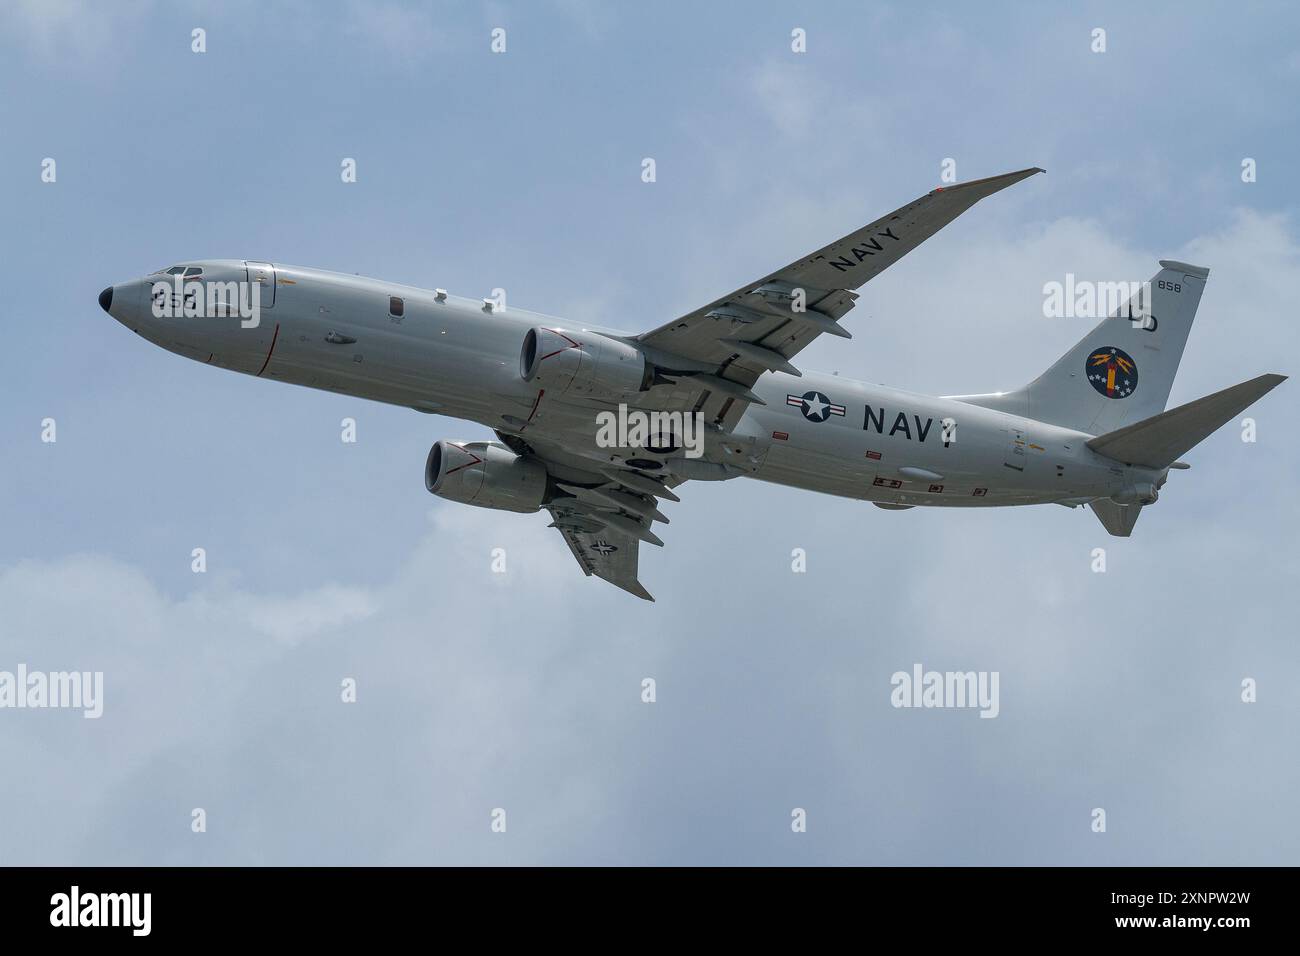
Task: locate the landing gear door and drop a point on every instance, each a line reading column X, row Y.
column 262, row 274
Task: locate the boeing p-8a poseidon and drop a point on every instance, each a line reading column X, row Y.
column 1090, row 430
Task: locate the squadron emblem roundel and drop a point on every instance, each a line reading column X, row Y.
column 1112, row 372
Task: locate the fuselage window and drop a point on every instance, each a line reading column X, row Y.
column 396, row 306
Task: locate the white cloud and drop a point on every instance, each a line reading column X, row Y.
column 59, row 28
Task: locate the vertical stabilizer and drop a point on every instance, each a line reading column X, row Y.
column 1122, row 371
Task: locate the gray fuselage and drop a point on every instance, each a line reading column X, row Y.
column 459, row 357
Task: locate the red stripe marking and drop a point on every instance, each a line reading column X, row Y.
column 468, row 464
column 572, row 345
column 537, row 401
column 275, row 335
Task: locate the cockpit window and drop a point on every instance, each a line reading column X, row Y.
column 179, row 270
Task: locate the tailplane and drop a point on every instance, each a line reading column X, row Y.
column 1159, row 441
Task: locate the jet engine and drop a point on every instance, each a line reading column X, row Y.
column 582, row 363
column 485, row 473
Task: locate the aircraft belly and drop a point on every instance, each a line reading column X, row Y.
column 896, row 454
column 803, row 468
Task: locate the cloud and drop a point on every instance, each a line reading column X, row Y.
column 57, row 28
column 789, row 96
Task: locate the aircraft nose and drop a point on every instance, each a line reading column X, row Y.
column 106, row 299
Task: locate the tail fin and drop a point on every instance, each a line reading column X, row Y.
column 1117, row 519
column 1159, row 441
column 1121, row 371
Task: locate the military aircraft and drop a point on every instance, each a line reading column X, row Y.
column 599, row 427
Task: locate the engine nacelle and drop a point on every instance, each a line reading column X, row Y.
column 582, row 363
column 486, row 474
column 1140, row 493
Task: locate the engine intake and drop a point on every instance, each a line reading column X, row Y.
column 582, row 363
column 486, row 474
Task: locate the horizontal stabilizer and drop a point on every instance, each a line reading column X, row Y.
column 1117, row 519
column 1159, row 441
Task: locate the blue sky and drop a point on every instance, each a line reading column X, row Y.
column 522, row 171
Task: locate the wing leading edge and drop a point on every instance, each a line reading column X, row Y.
column 760, row 326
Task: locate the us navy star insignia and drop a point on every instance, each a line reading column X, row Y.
column 816, row 407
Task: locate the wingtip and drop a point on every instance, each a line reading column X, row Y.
column 1001, row 181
